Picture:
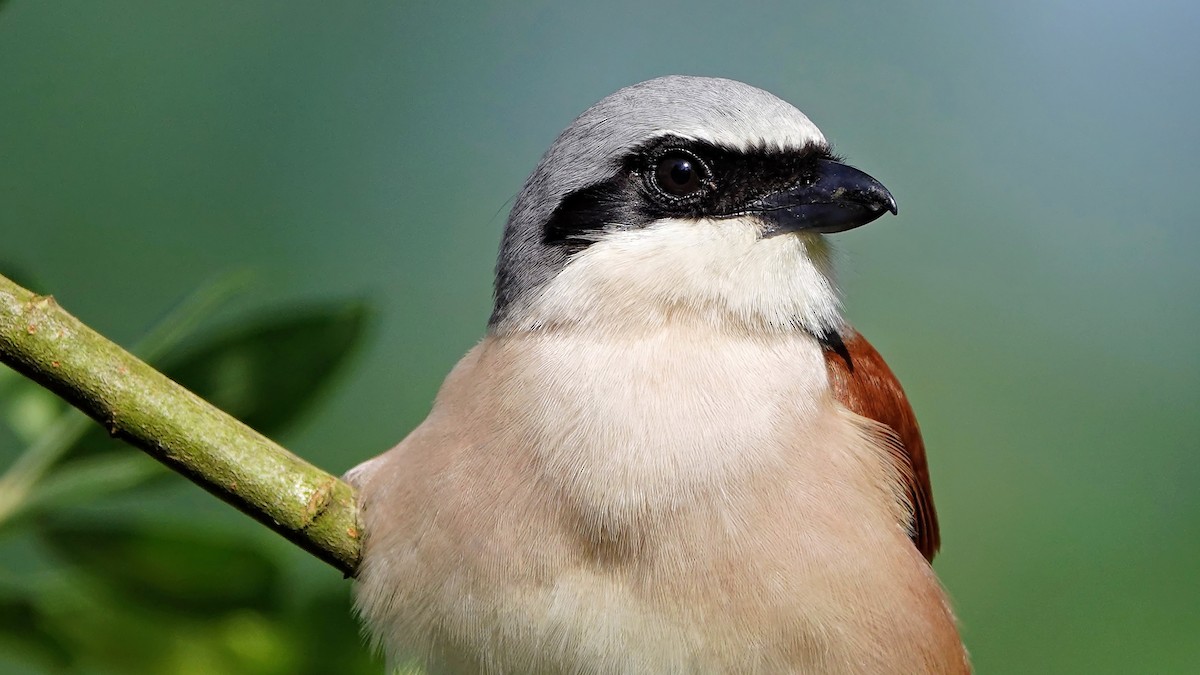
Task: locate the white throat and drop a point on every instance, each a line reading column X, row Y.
column 719, row 273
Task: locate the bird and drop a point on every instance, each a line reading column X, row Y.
column 670, row 452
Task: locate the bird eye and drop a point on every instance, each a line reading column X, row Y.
column 679, row 174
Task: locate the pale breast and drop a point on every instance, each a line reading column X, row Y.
column 665, row 505
column 643, row 425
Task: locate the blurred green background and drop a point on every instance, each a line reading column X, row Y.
column 1038, row 295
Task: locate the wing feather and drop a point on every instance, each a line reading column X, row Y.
column 862, row 382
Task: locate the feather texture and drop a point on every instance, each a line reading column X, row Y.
column 862, row 381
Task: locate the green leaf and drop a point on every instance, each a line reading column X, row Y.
column 51, row 431
column 26, row 408
column 86, row 479
column 268, row 372
column 22, row 622
column 176, row 570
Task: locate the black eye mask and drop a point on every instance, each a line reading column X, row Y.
column 720, row 183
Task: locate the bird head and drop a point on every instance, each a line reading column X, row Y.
column 677, row 200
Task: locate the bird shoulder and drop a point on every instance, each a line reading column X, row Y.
column 863, row 383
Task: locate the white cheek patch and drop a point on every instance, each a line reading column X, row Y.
column 719, row 272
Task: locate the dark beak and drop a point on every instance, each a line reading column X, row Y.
column 836, row 198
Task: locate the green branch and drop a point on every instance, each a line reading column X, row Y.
column 137, row 404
